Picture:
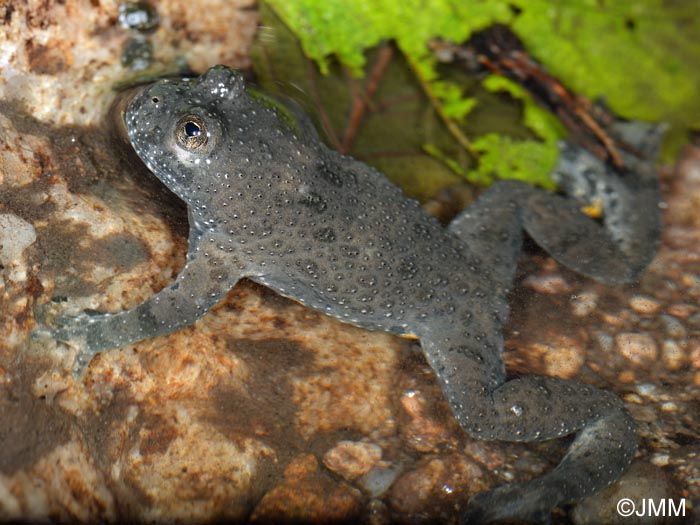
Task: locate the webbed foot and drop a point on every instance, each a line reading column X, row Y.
column 84, row 334
column 515, row 501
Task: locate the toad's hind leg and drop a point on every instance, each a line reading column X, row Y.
column 534, row 409
column 613, row 251
column 465, row 350
column 467, row 361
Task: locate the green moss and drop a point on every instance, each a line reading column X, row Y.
column 639, row 57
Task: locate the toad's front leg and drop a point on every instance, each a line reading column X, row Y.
column 210, row 272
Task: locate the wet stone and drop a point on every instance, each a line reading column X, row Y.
column 351, row 459
column 378, row 480
column 307, row 495
column 694, row 320
column 669, row 407
column 690, row 280
column 16, row 235
column 130, row 399
column 642, row 483
column 565, row 358
column 549, row 283
column 674, row 327
column 413, row 488
column 681, row 310
column 377, row 513
column 672, row 355
column 639, row 348
column 660, row 460
column 584, row 303
column 423, row 433
column 138, row 16
column 644, row 305
column 437, row 486
column 648, row 390
column 137, row 54
column 694, row 353
column 605, row 341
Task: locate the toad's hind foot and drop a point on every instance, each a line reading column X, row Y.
column 598, row 455
column 615, row 249
column 531, row 408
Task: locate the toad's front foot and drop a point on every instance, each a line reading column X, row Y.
column 85, row 333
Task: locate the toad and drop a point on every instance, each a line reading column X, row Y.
column 268, row 201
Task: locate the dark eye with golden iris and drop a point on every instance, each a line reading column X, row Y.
column 191, row 133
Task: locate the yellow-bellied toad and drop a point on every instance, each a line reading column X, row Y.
column 275, row 205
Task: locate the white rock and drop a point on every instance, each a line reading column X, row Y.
column 16, row 235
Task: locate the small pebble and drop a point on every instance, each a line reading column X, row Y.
column 634, row 398
column 584, row 303
column 681, row 310
column 690, row 280
column 672, row 355
column 644, row 305
column 694, row 353
column 639, row 348
column 626, row 377
column 351, row 459
column 550, row 283
column 377, row 513
column 564, row 359
column 378, row 480
column 139, row 16
column 613, row 319
column 605, row 341
column 646, row 390
column 694, row 320
column 411, row 491
column 674, row 327
column 660, row 460
column 137, row 54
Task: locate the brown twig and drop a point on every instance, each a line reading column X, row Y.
column 526, row 69
column 499, row 51
column 362, row 100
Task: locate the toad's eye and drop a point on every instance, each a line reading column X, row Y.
column 191, row 133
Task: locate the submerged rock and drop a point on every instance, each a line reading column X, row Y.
column 236, row 416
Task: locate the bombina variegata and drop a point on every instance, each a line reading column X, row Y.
column 269, row 201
